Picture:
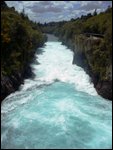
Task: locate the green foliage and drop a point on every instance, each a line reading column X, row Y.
column 98, row 24
column 97, row 52
column 19, row 38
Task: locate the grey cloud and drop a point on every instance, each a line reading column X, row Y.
column 90, row 6
column 45, row 3
column 49, row 8
column 57, row 10
column 94, row 5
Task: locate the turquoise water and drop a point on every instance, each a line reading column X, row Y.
column 59, row 108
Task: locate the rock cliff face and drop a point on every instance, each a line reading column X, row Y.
column 20, row 37
column 90, row 38
column 89, row 54
column 10, row 84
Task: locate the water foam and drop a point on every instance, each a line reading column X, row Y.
column 59, row 108
column 54, row 65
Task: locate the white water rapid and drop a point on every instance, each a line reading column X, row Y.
column 59, row 108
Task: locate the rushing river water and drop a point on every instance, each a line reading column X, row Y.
column 58, row 108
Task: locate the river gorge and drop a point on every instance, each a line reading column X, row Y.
column 58, row 108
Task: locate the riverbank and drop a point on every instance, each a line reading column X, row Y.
column 20, row 37
column 90, row 38
column 85, row 55
column 58, row 109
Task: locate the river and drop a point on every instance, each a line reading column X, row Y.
column 58, row 108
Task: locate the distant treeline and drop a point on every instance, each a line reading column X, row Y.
column 92, row 23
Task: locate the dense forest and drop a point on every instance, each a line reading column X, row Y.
column 90, row 37
column 19, row 39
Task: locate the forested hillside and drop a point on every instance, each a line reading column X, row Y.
column 90, row 37
column 19, row 39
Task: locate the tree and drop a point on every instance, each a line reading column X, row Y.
column 23, row 14
column 72, row 19
column 3, row 4
column 95, row 13
column 89, row 15
column 108, row 10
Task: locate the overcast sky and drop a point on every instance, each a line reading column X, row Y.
column 46, row 11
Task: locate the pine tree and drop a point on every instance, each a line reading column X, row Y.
column 95, row 13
